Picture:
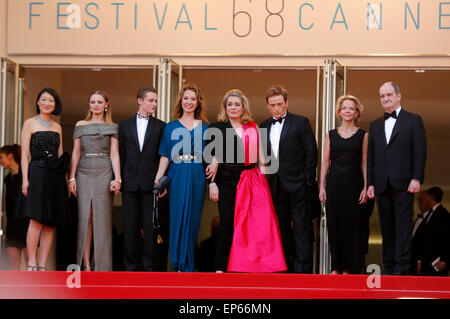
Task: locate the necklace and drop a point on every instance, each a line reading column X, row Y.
column 43, row 122
column 353, row 131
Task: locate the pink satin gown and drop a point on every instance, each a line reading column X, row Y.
column 256, row 243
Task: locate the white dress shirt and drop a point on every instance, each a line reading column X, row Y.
column 275, row 133
column 141, row 126
column 389, row 125
column 426, row 217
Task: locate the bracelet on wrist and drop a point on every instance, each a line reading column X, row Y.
column 72, row 179
column 212, row 184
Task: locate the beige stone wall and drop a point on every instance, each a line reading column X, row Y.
column 2, row 28
column 209, row 27
column 143, row 43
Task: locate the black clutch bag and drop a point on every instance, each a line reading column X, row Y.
column 162, row 184
column 158, row 188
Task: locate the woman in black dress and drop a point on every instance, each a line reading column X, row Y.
column 44, row 197
column 343, row 186
column 16, row 229
column 248, row 237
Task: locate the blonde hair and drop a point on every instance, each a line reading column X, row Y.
column 358, row 105
column 246, row 113
column 107, row 116
column 199, row 113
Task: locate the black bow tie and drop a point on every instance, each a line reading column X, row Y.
column 388, row 115
column 280, row 120
column 143, row 116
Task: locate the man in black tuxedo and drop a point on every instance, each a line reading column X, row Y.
column 431, row 241
column 395, row 169
column 417, row 241
column 292, row 147
column 139, row 138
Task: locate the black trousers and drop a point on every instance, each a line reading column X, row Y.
column 137, row 215
column 227, row 182
column 298, row 238
column 396, row 210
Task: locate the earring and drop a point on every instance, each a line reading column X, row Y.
column 106, row 109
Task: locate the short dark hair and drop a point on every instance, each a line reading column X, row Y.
column 55, row 95
column 12, row 149
column 436, row 193
column 276, row 90
column 144, row 90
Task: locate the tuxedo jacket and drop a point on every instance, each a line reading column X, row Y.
column 297, row 152
column 400, row 159
column 139, row 168
column 432, row 239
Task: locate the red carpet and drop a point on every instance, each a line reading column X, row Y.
column 124, row 285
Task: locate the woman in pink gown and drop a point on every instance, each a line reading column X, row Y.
column 248, row 237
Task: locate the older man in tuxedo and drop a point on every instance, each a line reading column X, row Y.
column 139, row 138
column 291, row 144
column 395, row 169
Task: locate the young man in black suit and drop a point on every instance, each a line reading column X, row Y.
column 139, row 138
column 395, row 169
column 292, row 147
column 431, row 241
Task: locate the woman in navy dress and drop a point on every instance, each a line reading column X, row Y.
column 343, row 186
column 181, row 151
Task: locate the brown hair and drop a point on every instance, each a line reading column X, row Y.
column 358, row 105
column 12, row 149
column 199, row 112
column 246, row 114
column 144, row 90
column 276, row 90
column 107, row 117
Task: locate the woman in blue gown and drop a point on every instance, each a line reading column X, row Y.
column 181, row 151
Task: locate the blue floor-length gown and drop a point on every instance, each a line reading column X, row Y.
column 186, row 190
